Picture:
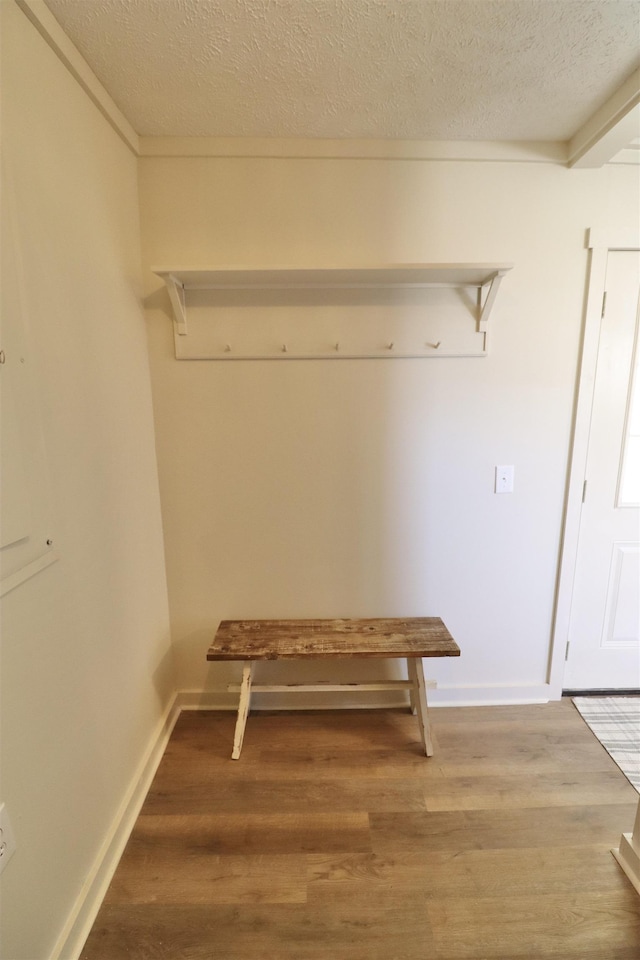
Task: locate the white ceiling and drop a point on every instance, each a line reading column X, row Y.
column 386, row 69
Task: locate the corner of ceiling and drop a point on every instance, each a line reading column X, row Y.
column 605, row 135
column 50, row 30
column 610, row 129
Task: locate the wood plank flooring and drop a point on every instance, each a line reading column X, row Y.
column 335, row 838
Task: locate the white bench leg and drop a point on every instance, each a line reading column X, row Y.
column 419, row 697
column 243, row 708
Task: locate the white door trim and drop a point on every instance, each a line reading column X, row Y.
column 599, row 244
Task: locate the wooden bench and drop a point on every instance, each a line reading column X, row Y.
column 411, row 639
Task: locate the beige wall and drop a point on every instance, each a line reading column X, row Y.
column 86, row 671
column 364, row 488
column 351, row 488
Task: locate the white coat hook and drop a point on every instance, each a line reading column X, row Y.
column 390, row 345
column 337, row 347
column 227, row 348
column 284, row 348
column 434, row 346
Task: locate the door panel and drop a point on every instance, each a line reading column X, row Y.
column 604, row 633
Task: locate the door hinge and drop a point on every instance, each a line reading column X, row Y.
column 604, row 304
column 584, row 491
column 566, row 652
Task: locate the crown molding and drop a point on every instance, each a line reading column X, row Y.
column 463, row 150
column 50, row 30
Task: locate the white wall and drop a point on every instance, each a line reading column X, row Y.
column 86, row 664
column 365, row 488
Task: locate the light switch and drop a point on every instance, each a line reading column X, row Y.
column 504, row 479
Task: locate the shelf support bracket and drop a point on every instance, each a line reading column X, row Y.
column 178, row 302
column 484, row 310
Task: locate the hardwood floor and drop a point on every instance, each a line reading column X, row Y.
column 335, row 838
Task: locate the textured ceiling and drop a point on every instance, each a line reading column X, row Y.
column 407, row 69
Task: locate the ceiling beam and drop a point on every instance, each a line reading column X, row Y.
column 611, row 128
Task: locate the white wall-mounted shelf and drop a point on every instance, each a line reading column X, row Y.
column 243, row 282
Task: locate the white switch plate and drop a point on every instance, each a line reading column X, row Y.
column 504, row 479
column 7, row 839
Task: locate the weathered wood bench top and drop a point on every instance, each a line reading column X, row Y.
column 301, row 639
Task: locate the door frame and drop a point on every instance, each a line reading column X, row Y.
column 599, row 244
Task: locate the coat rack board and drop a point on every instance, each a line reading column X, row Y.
column 424, row 310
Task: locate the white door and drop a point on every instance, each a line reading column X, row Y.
column 604, row 632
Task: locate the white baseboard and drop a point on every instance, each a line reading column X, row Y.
column 500, row 695
column 80, row 920
column 219, row 699
column 628, row 857
column 216, row 698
